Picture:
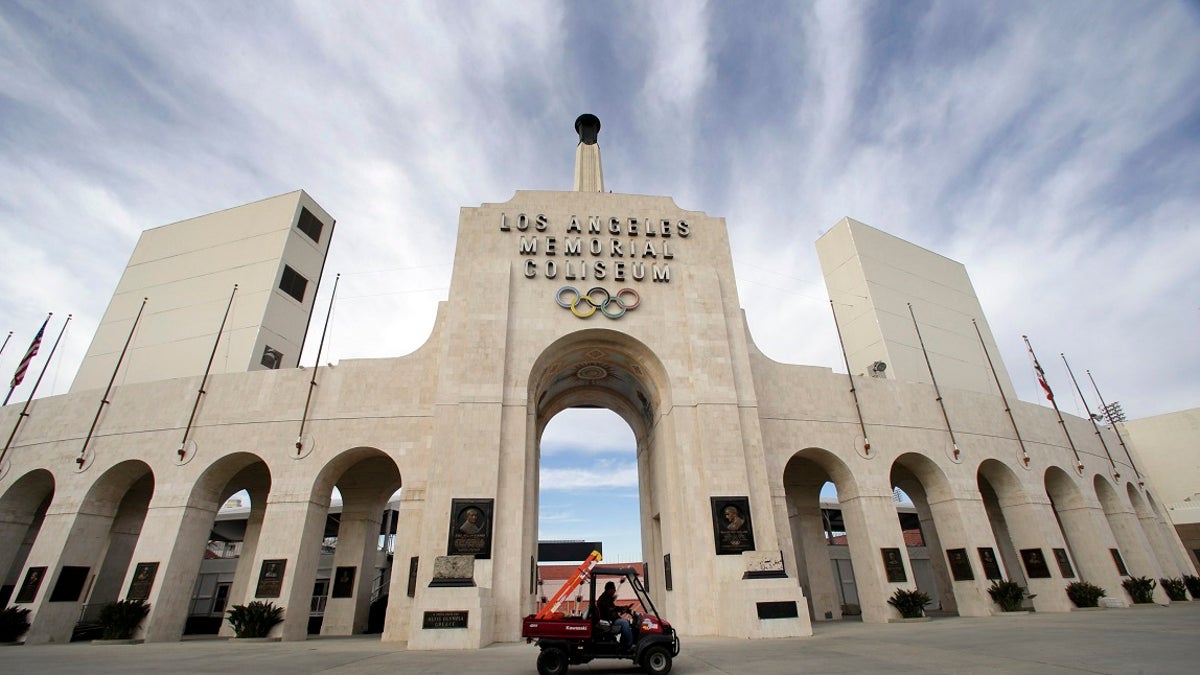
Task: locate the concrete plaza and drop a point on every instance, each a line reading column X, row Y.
column 1150, row 639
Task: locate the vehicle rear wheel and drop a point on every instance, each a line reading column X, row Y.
column 657, row 660
column 552, row 661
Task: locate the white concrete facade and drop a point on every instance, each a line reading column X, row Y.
column 187, row 270
column 715, row 421
column 872, row 278
column 1164, row 448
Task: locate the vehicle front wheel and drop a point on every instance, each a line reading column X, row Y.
column 657, row 660
column 553, row 661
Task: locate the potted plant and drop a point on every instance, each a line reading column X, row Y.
column 1008, row 594
column 14, row 621
column 120, row 619
column 1085, row 594
column 1193, row 585
column 910, row 604
column 1141, row 589
column 1175, row 587
column 255, row 620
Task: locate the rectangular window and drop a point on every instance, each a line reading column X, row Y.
column 310, row 225
column 271, row 358
column 292, row 283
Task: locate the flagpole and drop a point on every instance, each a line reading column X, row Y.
column 25, row 410
column 104, row 399
column 936, row 391
column 853, row 392
column 19, row 375
column 1041, row 374
column 1116, row 474
column 5, row 342
column 200, row 393
column 1007, row 408
column 1115, row 431
column 313, row 383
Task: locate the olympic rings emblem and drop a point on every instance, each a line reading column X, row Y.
column 612, row 305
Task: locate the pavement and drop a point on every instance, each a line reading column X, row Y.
column 1141, row 639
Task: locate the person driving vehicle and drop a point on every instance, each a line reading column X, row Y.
column 609, row 610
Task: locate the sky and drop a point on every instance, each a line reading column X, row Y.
column 1052, row 148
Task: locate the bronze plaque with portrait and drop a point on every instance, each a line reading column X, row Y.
column 142, row 582
column 29, row 587
column 270, row 578
column 1064, row 563
column 893, row 565
column 991, row 566
column 731, row 525
column 960, row 564
column 471, row 528
column 1035, row 563
column 343, row 582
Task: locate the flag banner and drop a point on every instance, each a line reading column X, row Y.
column 1041, row 374
column 19, row 376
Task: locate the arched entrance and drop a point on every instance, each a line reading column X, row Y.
column 1085, row 530
column 88, row 570
column 824, row 561
column 1133, row 548
column 22, row 510
column 604, row 369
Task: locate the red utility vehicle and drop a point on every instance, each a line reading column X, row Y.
column 572, row 640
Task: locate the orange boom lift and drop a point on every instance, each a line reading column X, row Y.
column 579, row 576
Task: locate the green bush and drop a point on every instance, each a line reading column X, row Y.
column 1176, row 589
column 1008, row 594
column 14, row 621
column 1141, row 589
column 254, row 620
column 120, row 619
column 1084, row 594
column 910, row 604
column 1193, row 585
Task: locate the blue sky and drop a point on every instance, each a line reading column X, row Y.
column 1053, row 148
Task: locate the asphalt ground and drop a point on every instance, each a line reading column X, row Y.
column 1150, row 639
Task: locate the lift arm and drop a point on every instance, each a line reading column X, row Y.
column 577, row 577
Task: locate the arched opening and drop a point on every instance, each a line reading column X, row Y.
column 917, row 480
column 1153, row 530
column 821, row 539
column 227, row 505
column 598, row 397
column 1000, row 491
column 1132, row 555
column 352, row 567
column 22, row 510
column 96, row 556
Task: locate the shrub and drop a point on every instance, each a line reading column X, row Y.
column 1084, row 594
column 14, row 621
column 1193, row 585
column 120, row 619
column 254, row 620
column 1008, row 594
column 1175, row 587
column 1141, row 589
column 910, row 604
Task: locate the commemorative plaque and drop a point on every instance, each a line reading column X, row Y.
column 960, row 564
column 1035, row 563
column 142, row 582
column 412, row 576
column 70, row 584
column 1064, row 563
column 444, row 619
column 731, row 525
column 991, row 566
column 667, row 573
column 343, row 582
column 29, row 587
column 471, row 528
column 270, row 578
column 893, row 565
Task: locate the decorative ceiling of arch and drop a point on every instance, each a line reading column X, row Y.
column 600, row 368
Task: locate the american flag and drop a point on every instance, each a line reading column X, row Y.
column 19, row 376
